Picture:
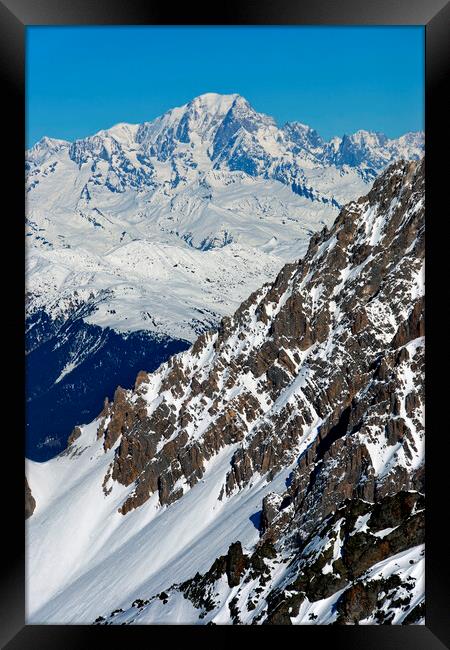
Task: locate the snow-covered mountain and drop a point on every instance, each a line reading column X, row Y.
column 200, row 206
column 273, row 472
column 163, row 228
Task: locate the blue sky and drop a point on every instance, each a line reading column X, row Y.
column 336, row 79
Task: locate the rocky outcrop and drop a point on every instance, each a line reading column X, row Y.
column 76, row 433
column 236, row 564
column 30, row 502
column 271, row 585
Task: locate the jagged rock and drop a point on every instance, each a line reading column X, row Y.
column 392, row 510
column 119, row 418
column 358, row 602
column 141, row 377
column 76, row 433
column 270, row 509
column 236, row 564
column 413, row 327
column 30, row 502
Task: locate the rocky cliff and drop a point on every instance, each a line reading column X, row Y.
column 328, row 359
column 30, row 502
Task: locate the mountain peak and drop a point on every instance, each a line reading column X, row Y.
column 362, row 137
column 211, row 104
column 45, row 140
column 44, row 148
column 212, row 100
column 48, row 143
column 122, row 132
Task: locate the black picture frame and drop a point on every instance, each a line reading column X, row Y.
column 15, row 16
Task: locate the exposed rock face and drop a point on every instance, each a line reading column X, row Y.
column 76, row 433
column 30, row 502
column 322, row 356
column 236, row 564
column 320, row 372
column 354, row 558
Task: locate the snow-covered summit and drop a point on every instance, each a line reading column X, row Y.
column 44, row 148
column 225, row 121
column 372, row 151
column 211, row 173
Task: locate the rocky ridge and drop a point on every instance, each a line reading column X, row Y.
column 343, row 513
column 318, row 361
column 361, row 565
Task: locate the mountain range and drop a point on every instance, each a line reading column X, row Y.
column 272, row 473
column 141, row 237
column 135, row 203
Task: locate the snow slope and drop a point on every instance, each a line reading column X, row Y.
column 109, row 549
